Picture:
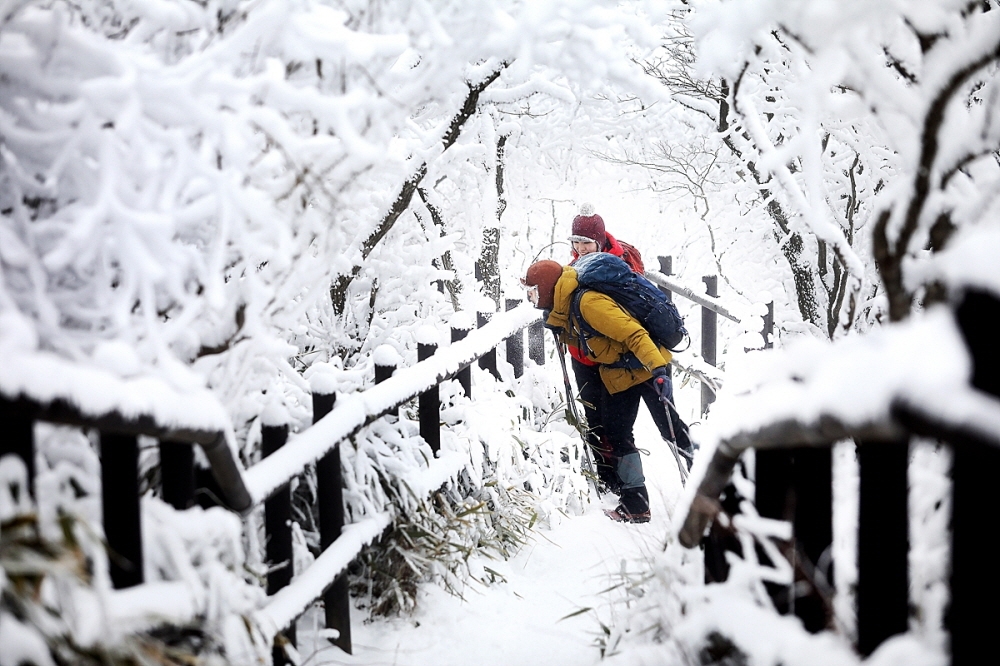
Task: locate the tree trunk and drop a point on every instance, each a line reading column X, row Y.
column 339, row 289
column 791, row 243
column 489, row 258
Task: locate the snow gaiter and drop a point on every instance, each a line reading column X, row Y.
column 633, row 489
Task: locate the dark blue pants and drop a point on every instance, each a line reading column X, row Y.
column 619, row 412
column 592, row 392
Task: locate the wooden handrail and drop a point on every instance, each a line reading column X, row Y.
column 354, row 412
column 244, row 490
column 226, row 470
column 712, row 304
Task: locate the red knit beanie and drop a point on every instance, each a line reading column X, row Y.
column 544, row 274
column 589, row 224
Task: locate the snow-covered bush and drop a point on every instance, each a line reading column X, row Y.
column 58, row 605
column 521, row 470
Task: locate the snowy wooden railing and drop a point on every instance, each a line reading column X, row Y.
column 37, row 386
column 116, row 409
column 122, row 410
column 711, row 308
column 898, row 397
column 338, row 419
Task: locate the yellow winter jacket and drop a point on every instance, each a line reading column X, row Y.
column 619, row 331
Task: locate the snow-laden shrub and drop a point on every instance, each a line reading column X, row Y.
column 58, row 605
column 521, row 470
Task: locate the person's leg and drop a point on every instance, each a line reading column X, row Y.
column 673, row 428
column 619, row 411
column 591, row 388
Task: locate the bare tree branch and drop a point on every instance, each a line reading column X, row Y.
column 338, row 291
column 454, row 285
column 889, row 256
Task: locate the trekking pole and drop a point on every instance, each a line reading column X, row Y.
column 588, row 464
column 672, row 442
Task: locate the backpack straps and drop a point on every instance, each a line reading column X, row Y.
column 585, row 332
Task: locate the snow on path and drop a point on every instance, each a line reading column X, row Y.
column 524, row 620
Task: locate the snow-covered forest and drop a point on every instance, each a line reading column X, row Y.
column 211, row 208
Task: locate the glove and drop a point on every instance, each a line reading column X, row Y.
column 661, row 382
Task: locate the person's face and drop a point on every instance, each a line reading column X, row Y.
column 583, row 248
column 533, row 295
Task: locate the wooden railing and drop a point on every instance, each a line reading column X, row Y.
column 286, row 456
column 793, row 482
column 711, row 309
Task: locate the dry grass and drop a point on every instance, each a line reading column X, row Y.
column 436, row 542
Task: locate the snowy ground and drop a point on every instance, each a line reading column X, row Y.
column 534, row 615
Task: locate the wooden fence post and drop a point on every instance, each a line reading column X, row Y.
column 487, row 361
column 278, row 530
column 536, row 342
column 667, row 268
column 120, row 502
column 773, row 499
column 515, row 344
column 330, row 501
column 386, row 361
column 17, row 436
column 796, row 485
column 460, row 327
column 973, row 614
column 708, row 343
column 883, row 543
column 177, row 473
column 429, row 402
column 767, row 331
column 812, row 530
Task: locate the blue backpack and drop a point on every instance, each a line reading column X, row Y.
column 612, row 277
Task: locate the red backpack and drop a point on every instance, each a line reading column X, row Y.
column 632, row 257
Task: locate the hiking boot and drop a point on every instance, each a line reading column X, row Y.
column 621, row 515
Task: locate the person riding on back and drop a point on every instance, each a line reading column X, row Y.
column 588, row 234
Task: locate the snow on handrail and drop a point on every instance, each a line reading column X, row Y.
column 55, row 390
column 291, row 601
column 703, row 300
column 288, row 603
column 353, row 412
column 815, row 399
column 94, row 392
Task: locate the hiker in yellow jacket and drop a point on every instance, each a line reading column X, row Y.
column 550, row 287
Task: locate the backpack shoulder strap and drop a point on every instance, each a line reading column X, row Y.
column 584, row 330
